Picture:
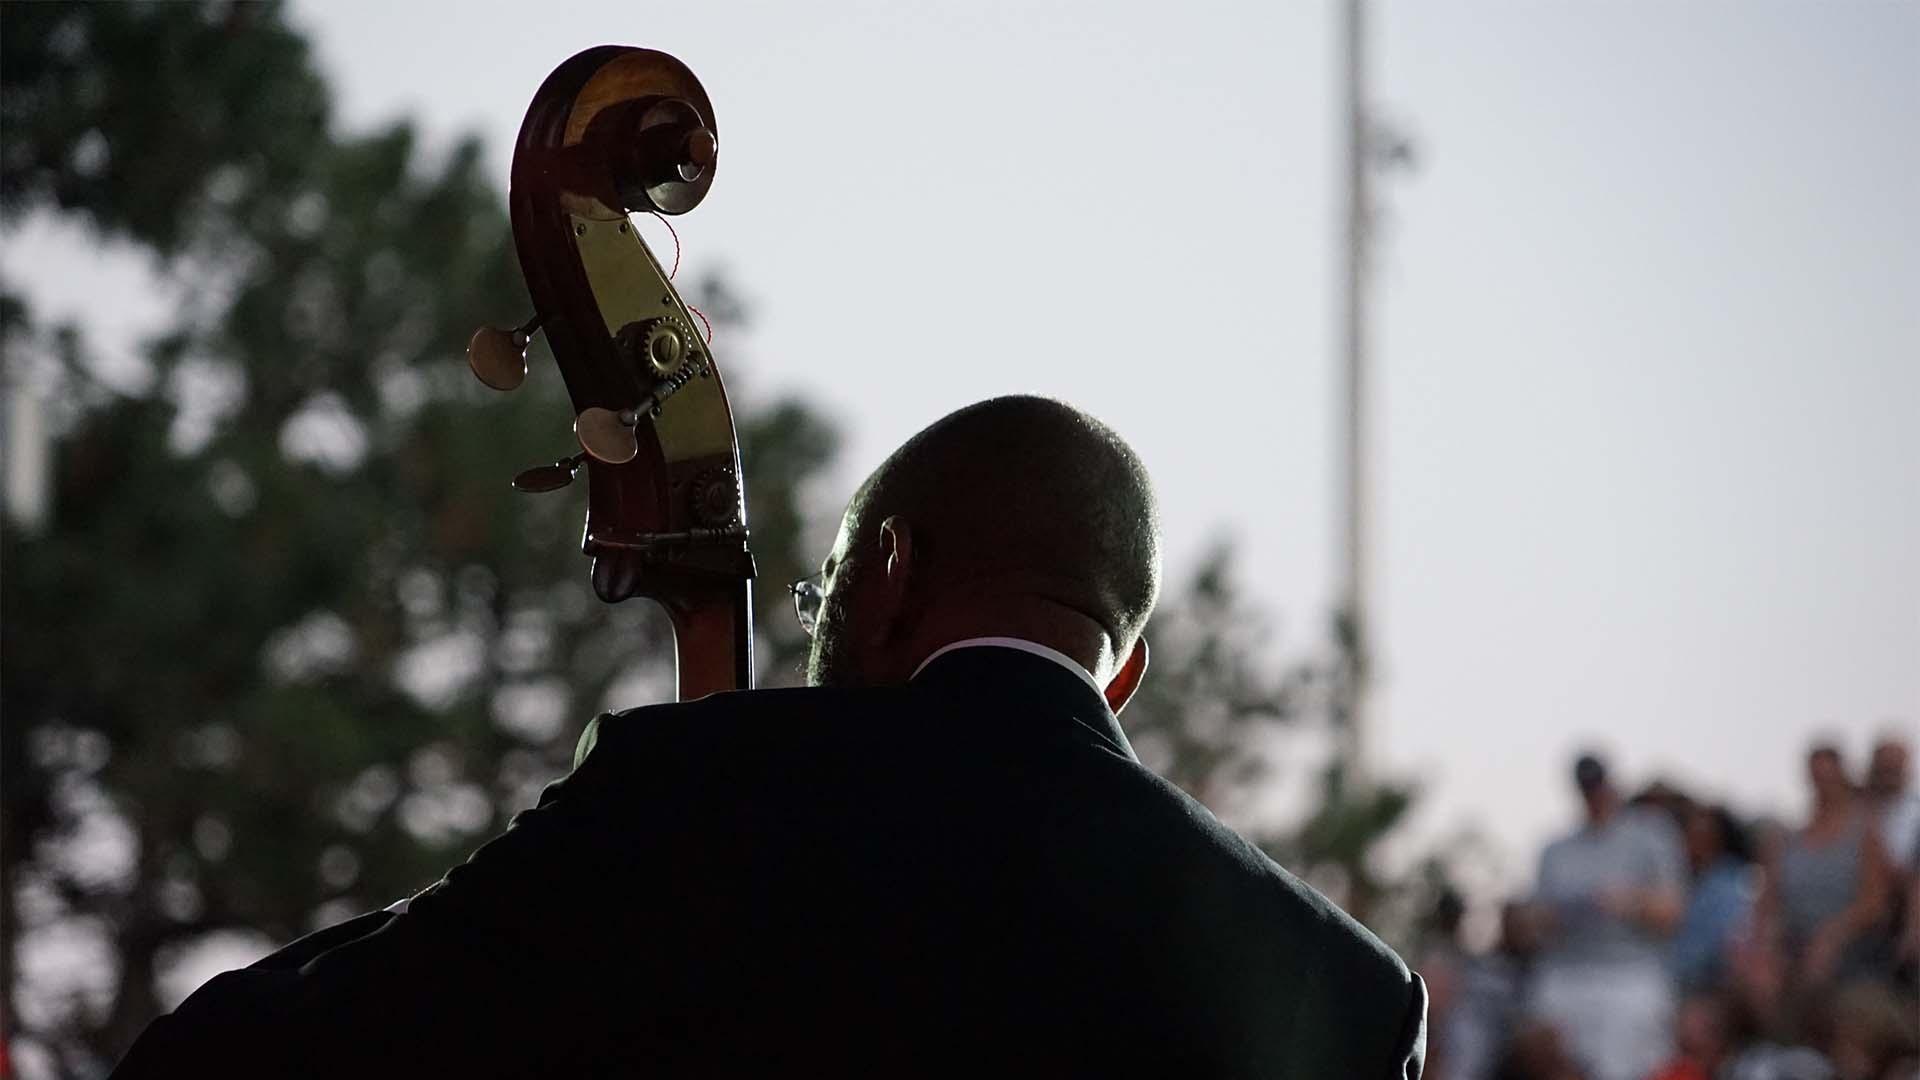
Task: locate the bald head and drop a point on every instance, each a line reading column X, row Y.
column 1005, row 510
column 1028, row 494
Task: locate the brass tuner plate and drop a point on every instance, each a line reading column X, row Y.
column 631, row 289
column 606, row 435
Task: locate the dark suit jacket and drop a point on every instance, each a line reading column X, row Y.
column 970, row 874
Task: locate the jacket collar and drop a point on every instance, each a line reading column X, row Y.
column 1025, row 646
column 991, row 670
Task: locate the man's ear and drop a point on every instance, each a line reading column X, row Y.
column 896, row 548
column 896, row 571
column 1120, row 688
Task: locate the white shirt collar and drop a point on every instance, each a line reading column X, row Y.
column 1024, row 646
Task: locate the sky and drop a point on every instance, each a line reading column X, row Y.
column 1647, row 320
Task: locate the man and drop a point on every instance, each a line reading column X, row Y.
column 1482, row 1023
column 1609, row 895
column 1896, row 806
column 940, row 858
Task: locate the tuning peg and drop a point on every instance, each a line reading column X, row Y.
column 499, row 357
column 608, row 435
column 698, row 151
column 549, row 477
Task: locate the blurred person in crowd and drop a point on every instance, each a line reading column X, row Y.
column 1610, row 895
column 1756, row 965
column 1896, row 807
column 1538, row 1052
column 1721, row 901
column 1667, row 797
column 1859, row 1031
column 1871, row 1034
column 1442, row 962
column 1895, row 803
column 1764, row 1060
column 1486, row 1004
column 1906, row 951
column 1768, row 1061
column 1825, row 894
column 1702, row 1036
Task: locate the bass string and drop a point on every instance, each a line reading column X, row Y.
column 675, row 233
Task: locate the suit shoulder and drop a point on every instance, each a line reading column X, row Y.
column 1313, row 980
column 729, row 716
column 1334, row 927
column 736, row 708
column 1306, row 913
column 1361, row 983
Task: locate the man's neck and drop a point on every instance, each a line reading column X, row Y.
column 1041, row 622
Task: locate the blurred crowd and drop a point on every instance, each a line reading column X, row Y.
column 1668, row 939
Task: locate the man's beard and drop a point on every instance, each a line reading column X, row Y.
column 830, row 661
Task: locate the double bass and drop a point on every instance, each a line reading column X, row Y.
column 614, row 131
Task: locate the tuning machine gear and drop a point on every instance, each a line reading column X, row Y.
column 715, row 498
column 659, row 347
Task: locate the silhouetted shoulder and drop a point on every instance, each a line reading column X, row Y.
column 1362, row 958
column 1302, row 902
column 1318, row 985
column 729, row 717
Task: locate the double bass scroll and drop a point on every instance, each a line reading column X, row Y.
column 615, row 130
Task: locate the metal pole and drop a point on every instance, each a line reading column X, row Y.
column 1356, row 626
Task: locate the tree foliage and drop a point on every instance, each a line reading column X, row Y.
column 288, row 644
column 1217, row 714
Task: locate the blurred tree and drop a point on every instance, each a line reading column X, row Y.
column 1211, row 718
column 287, row 645
column 1213, row 703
